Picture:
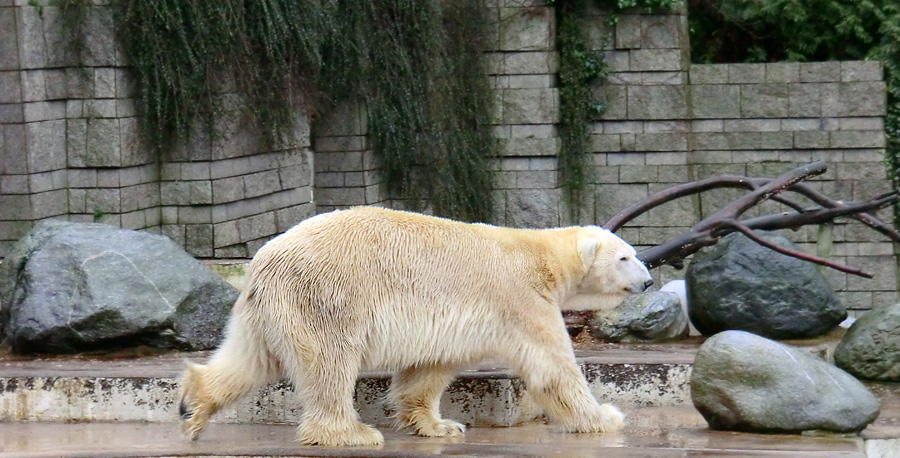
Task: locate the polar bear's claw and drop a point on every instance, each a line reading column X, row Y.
column 441, row 428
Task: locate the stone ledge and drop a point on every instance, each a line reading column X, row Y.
column 145, row 389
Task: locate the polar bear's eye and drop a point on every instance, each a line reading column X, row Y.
column 623, row 258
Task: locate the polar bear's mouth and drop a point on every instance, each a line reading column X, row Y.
column 639, row 288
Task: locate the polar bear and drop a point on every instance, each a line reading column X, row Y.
column 372, row 288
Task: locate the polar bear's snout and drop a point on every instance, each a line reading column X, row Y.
column 636, row 270
column 638, row 287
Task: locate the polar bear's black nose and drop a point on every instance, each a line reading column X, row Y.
column 648, row 283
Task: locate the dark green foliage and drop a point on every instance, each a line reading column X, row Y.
column 813, row 30
column 429, row 103
column 417, row 66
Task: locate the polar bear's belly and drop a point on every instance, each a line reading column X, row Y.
column 428, row 334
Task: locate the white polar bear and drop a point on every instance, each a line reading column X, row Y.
column 370, row 288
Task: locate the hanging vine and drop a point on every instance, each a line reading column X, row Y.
column 417, row 66
column 581, row 67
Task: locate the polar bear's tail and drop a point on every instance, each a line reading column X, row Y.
column 240, row 365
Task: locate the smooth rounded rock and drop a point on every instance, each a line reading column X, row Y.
column 652, row 316
column 871, row 347
column 69, row 287
column 741, row 285
column 744, row 382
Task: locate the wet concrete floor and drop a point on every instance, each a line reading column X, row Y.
column 674, row 431
column 651, row 432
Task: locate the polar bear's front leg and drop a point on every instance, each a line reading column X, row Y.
column 545, row 360
column 560, row 388
column 416, row 394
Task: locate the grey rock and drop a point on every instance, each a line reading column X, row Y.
column 69, row 287
column 641, row 317
column 744, row 382
column 871, row 347
column 738, row 284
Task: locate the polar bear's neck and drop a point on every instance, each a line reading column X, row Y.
column 601, row 302
column 552, row 253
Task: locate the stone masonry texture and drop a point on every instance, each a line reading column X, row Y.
column 71, row 148
column 70, row 143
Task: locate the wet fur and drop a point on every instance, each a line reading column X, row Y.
column 425, row 297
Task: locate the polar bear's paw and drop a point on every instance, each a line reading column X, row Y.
column 609, row 419
column 604, row 419
column 440, row 428
column 358, row 434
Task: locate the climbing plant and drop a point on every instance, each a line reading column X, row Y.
column 580, row 69
column 416, row 65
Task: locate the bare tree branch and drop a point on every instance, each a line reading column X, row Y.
column 786, row 180
column 708, row 231
column 817, row 215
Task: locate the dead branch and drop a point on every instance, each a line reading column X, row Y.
column 709, row 230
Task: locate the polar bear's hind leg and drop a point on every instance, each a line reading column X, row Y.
column 325, row 383
column 416, row 394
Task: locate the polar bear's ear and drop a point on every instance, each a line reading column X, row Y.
column 587, row 249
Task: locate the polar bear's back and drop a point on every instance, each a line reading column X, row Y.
column 389, row 245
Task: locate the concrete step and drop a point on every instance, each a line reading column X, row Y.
column 127, row 387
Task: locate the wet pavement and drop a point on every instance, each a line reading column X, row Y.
column 656, row 431
column 651, row 432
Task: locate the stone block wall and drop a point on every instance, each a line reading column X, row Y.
column 523, row 65
column 347, row 172
column 70, row 144
column 669, row 122
column 641, row 143
column 71, row 148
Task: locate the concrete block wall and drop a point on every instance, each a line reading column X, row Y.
column 523, row 65
column 765, row 119
column 225, row 196
column 641, row 143
column 71, row 148
column 70, row 144
column 347, row 172
column 670, row 122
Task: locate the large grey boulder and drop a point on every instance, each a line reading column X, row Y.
column 744, row 382
column 871, row 347
column 69, row 287
column 739, row 284
column 641, row 317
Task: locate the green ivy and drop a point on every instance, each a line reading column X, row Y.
column 580, row 68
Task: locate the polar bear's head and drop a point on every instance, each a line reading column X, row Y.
column 610, row 264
